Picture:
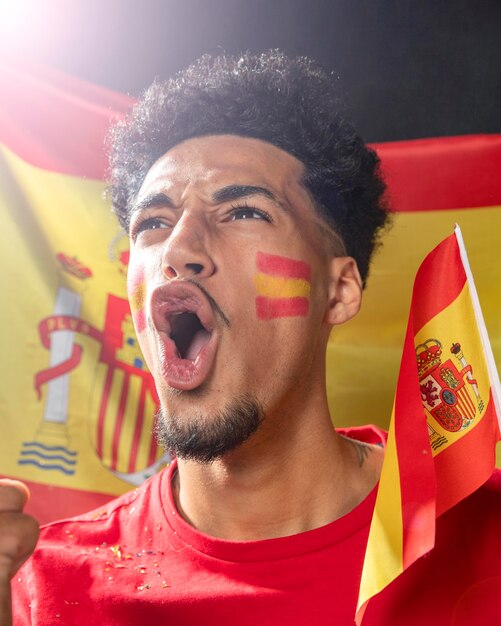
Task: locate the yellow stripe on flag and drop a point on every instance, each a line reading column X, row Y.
column 383, row 558
column 278, row 287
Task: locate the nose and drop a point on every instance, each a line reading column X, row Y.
column 186, row 253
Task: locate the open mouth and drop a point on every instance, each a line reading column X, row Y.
column 188, row 333
column 187, row 336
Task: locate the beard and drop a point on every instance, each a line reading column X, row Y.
column 203, row 439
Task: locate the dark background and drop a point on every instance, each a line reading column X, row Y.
column 409, row 69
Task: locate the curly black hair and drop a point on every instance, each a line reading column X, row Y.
column 292, row 103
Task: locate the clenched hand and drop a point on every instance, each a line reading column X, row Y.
column 18, row 537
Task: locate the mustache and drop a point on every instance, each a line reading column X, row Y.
column 214, row 305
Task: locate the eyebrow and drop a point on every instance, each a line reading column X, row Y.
column 235, row 192
column 225, row 194
column 156, row 200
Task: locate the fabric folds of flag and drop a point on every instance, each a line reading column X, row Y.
column 445, row 422
column 73, row 367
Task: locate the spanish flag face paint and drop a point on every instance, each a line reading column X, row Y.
column 283, row 287
column 136, row 287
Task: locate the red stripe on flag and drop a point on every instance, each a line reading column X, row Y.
column 119, row 422
column 417, row 478
column 423, row 174
column 466, row 403
column 138, row 428
column 102, row 412
column 464, row 465
column 434, row 291
column 153, row 442
column 67, row 134
column 282, row 266
column 271, row 308
column 442, row 173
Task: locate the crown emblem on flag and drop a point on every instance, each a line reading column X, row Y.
column 73, row 266
column 428, row 356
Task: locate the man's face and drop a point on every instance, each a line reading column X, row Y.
column 229, row 283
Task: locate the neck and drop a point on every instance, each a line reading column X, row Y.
column 292, row 476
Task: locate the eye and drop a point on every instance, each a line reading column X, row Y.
column 247, row 213
column 151, row 223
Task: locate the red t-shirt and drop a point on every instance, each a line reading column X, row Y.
column 137, row 562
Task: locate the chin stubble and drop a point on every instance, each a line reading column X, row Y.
column 205, row 438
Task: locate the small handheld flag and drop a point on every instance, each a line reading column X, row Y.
column 446, row 418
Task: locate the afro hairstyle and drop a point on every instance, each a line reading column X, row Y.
column 292, row 103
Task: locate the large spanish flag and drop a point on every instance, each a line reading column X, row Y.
column 446, row 419
column 77, row 402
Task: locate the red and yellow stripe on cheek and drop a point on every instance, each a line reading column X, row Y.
column 136, row 288
column 283, row 287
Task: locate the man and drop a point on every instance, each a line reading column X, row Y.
column 253, row 209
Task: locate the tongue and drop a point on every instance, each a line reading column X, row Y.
column 200, row 338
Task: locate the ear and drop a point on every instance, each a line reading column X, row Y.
column 345, row 290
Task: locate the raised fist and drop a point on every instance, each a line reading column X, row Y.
column 18, row 537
